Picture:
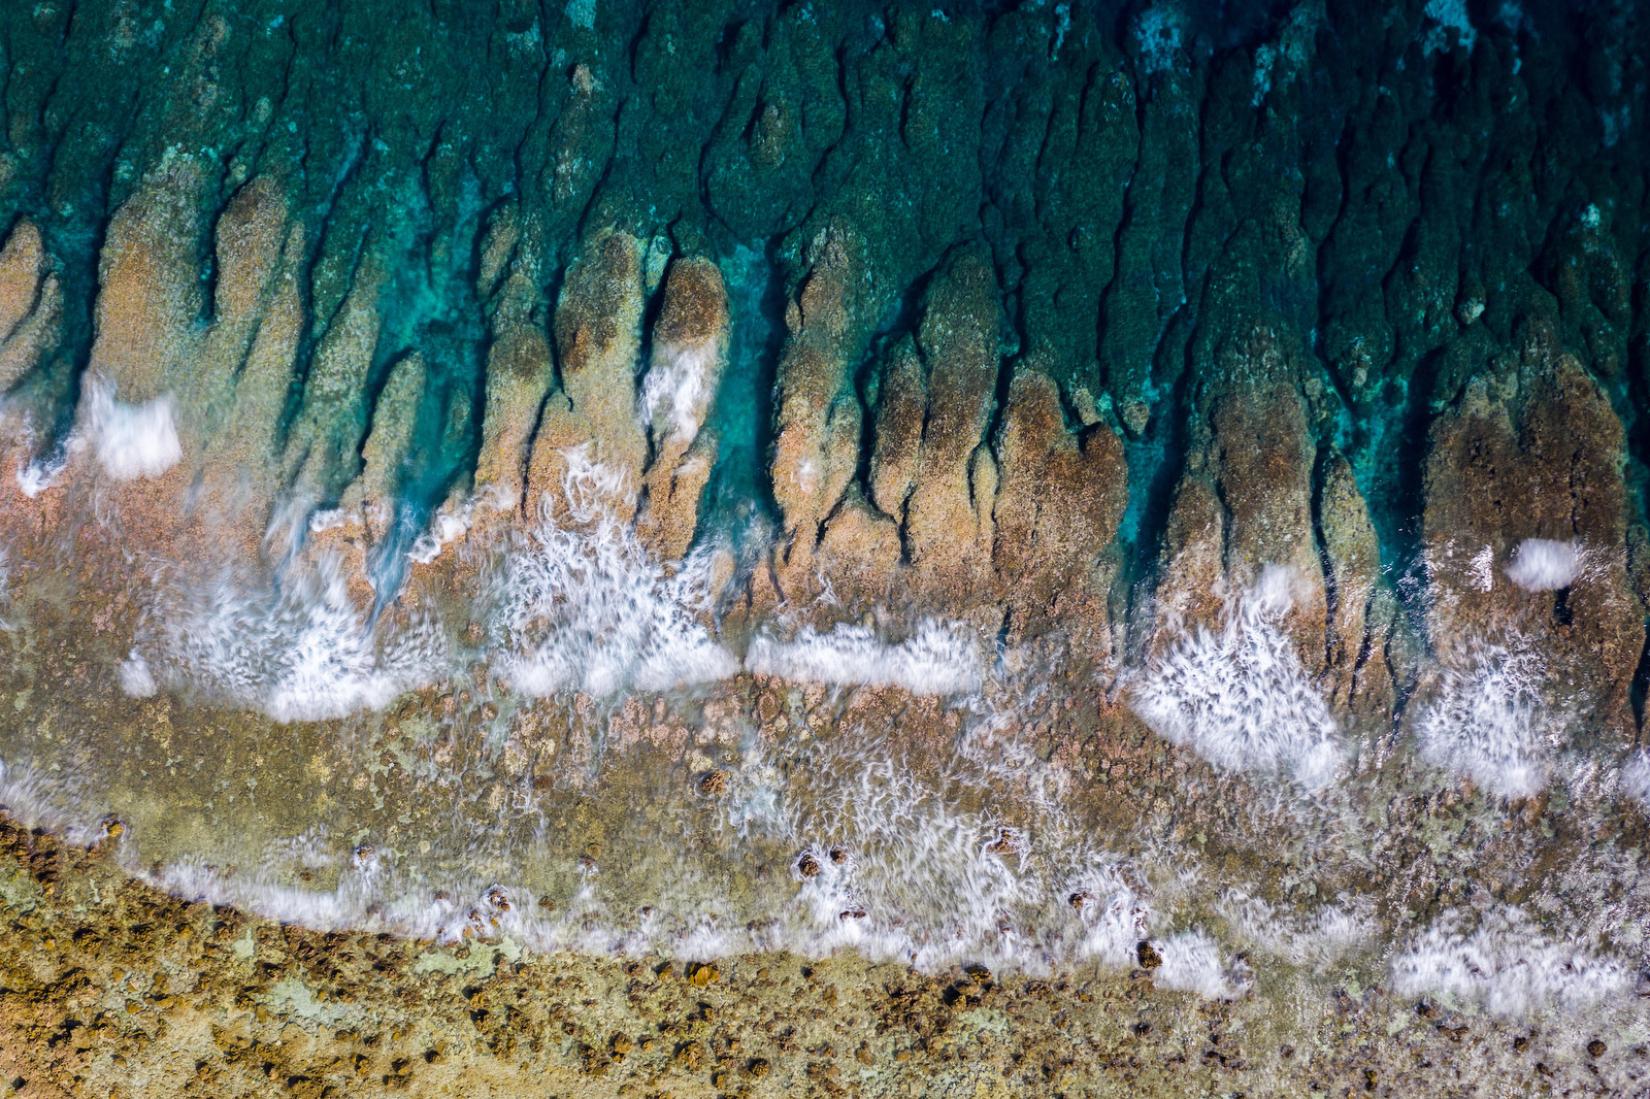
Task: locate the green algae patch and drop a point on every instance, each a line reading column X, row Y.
column 19, row 892
column 293, row 999
column 246, row 947
column 468, row 961
column 982, row 1021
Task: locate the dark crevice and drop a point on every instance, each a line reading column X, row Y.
column 651, row 308
column 899, row 322
column 1331, row 588
column 317, row 242
column 1404, row 684
column 1011, row 292
column 78, row 254
column 606, row 174
column 552, row 292
column 1563, row 613
column 1156, row 463
column 1103, row 310
column 738, row 494
column 1399, row 500
column 208, row 250
column 1639, row 690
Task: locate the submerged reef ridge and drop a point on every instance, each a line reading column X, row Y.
column 1117, row 536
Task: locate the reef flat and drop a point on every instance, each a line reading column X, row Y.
column 1054, row 519
column 109, row 988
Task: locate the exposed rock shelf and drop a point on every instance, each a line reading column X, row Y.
column 1085, row 320
column 1034, row 487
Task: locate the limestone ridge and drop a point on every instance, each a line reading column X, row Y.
column 1088, row 316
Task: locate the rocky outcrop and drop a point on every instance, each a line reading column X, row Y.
column 591, row 419
column 687, row 356
column 32, row 304
column 1074, row 320
column 1526, row 533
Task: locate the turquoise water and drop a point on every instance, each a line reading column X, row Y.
column 549, row 710
column 738, row 498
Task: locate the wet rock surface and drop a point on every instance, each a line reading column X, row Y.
column 1124, row 260
column 108, row 988
column 993, row 488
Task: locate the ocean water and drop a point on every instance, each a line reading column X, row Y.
column 565, row 745
column 1261, row 743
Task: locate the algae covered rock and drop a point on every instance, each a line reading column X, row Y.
column 983, row 499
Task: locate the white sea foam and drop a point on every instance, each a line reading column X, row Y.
column 136, row 680
column 324, row 519
column 320, row 910
column 592, row 490
column 445, row 529
column 895, row 868
column 919, row 865
column 1482, row 569
column 678, row 388
column 1489, row 723
column 453, row 521
column 131, row 441
column 368, row 896
column 901, row 874
column 299, row 650
column 1113, row 913
column 1542, row 564
column 371, row 896
column 39, row 474
column 1635, row 778
column 1506, row 965
column 1238, row 695
column 938, row 658
column 1318, row 942
column 37, row 801
column 585, row 608
column 1194, row 962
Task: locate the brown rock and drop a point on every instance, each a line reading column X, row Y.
column 689, row 354
column 592, row 422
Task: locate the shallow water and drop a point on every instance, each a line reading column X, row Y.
column 1172, row 498
column 566, row 746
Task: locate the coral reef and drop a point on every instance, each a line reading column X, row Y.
column 1059, row 489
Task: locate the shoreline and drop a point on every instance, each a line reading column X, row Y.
column 109, row 987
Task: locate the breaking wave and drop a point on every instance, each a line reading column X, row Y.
column 1542, row 564
column 677, row 388
column 939, row 658
column 1489, row 722
column 1326, row 938
column 1238, row 696
column 1635, row 778
column 1507, row 965
column 131, row 441
column 589, row 610
column 296, row 650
